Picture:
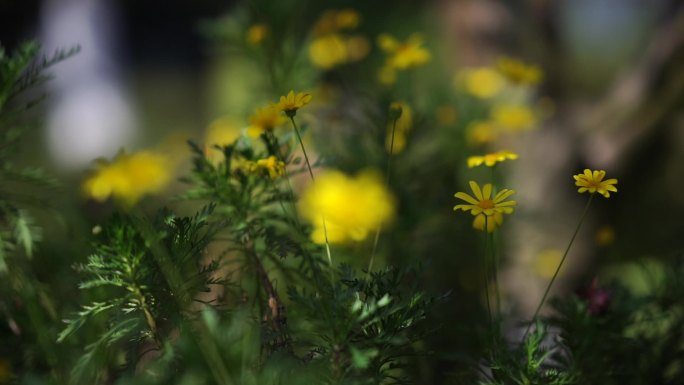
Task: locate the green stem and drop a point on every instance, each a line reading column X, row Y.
column 313, row 180
column 555, row 274
column 486, row 274
column 495, row 264
column 387, row 180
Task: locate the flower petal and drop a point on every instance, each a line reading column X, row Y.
column 466, row 197
column 476, row 190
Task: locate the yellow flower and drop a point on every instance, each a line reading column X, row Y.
column 290, row 103
column 401, row 56
column 491, row 159
column 480, row 133
column 265, row 119
column 347, row 19
column 605, row 235
column 518, row 72
column 514, row 117
column 257, row 33
column 592, row 181
column 484, row 204
column 129, row 177
column 328, row 51
column 404, row 56
column 484, row 82
column 546, row 262
column 333, row 21
column 274, row 167
column 221, row 132
column 350, row 207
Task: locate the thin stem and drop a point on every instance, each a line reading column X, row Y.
column 387, row 180
column 301, row 143
column 313, row 180
column 495, row 262
column 555, row 274
column 486, row 272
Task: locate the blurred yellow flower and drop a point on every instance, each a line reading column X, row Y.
column 491, row 159
column 290, row 103
column 265, row 119
column 129, row 177
column 605, row 235
column 333, row 21
column 221, row 132
column 347, row 19
column 401, row 56
column 257, row 33
column 546, row 262
column 480, row 133
column 482, row 203
column 334, row 49
column 592, row 181
column 513, row 117
column 518, row 72
column 350, row 207
column 272, row 166
column 483, row 82
column 328, row 51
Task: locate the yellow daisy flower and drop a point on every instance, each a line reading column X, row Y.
column 490, row 160
column 292, row 102
column 593, row 182
column 483, row 202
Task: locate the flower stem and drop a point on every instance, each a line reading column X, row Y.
column 313, row 180
column 387, row 180
column 555, row 274
column 486, row 274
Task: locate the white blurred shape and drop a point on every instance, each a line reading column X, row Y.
column 89, row 116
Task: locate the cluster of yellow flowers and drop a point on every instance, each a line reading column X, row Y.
column 129, row 177
column 347, row 208
column 271, row 166
column 491, row 159
column 332, row 45
column 508, row 86
column 401, row 56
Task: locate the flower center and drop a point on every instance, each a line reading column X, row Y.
column 486, row 204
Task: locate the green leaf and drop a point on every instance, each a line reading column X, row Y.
column 25, row 231
column 361, row 359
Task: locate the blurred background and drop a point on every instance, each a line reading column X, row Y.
column 153, row 74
